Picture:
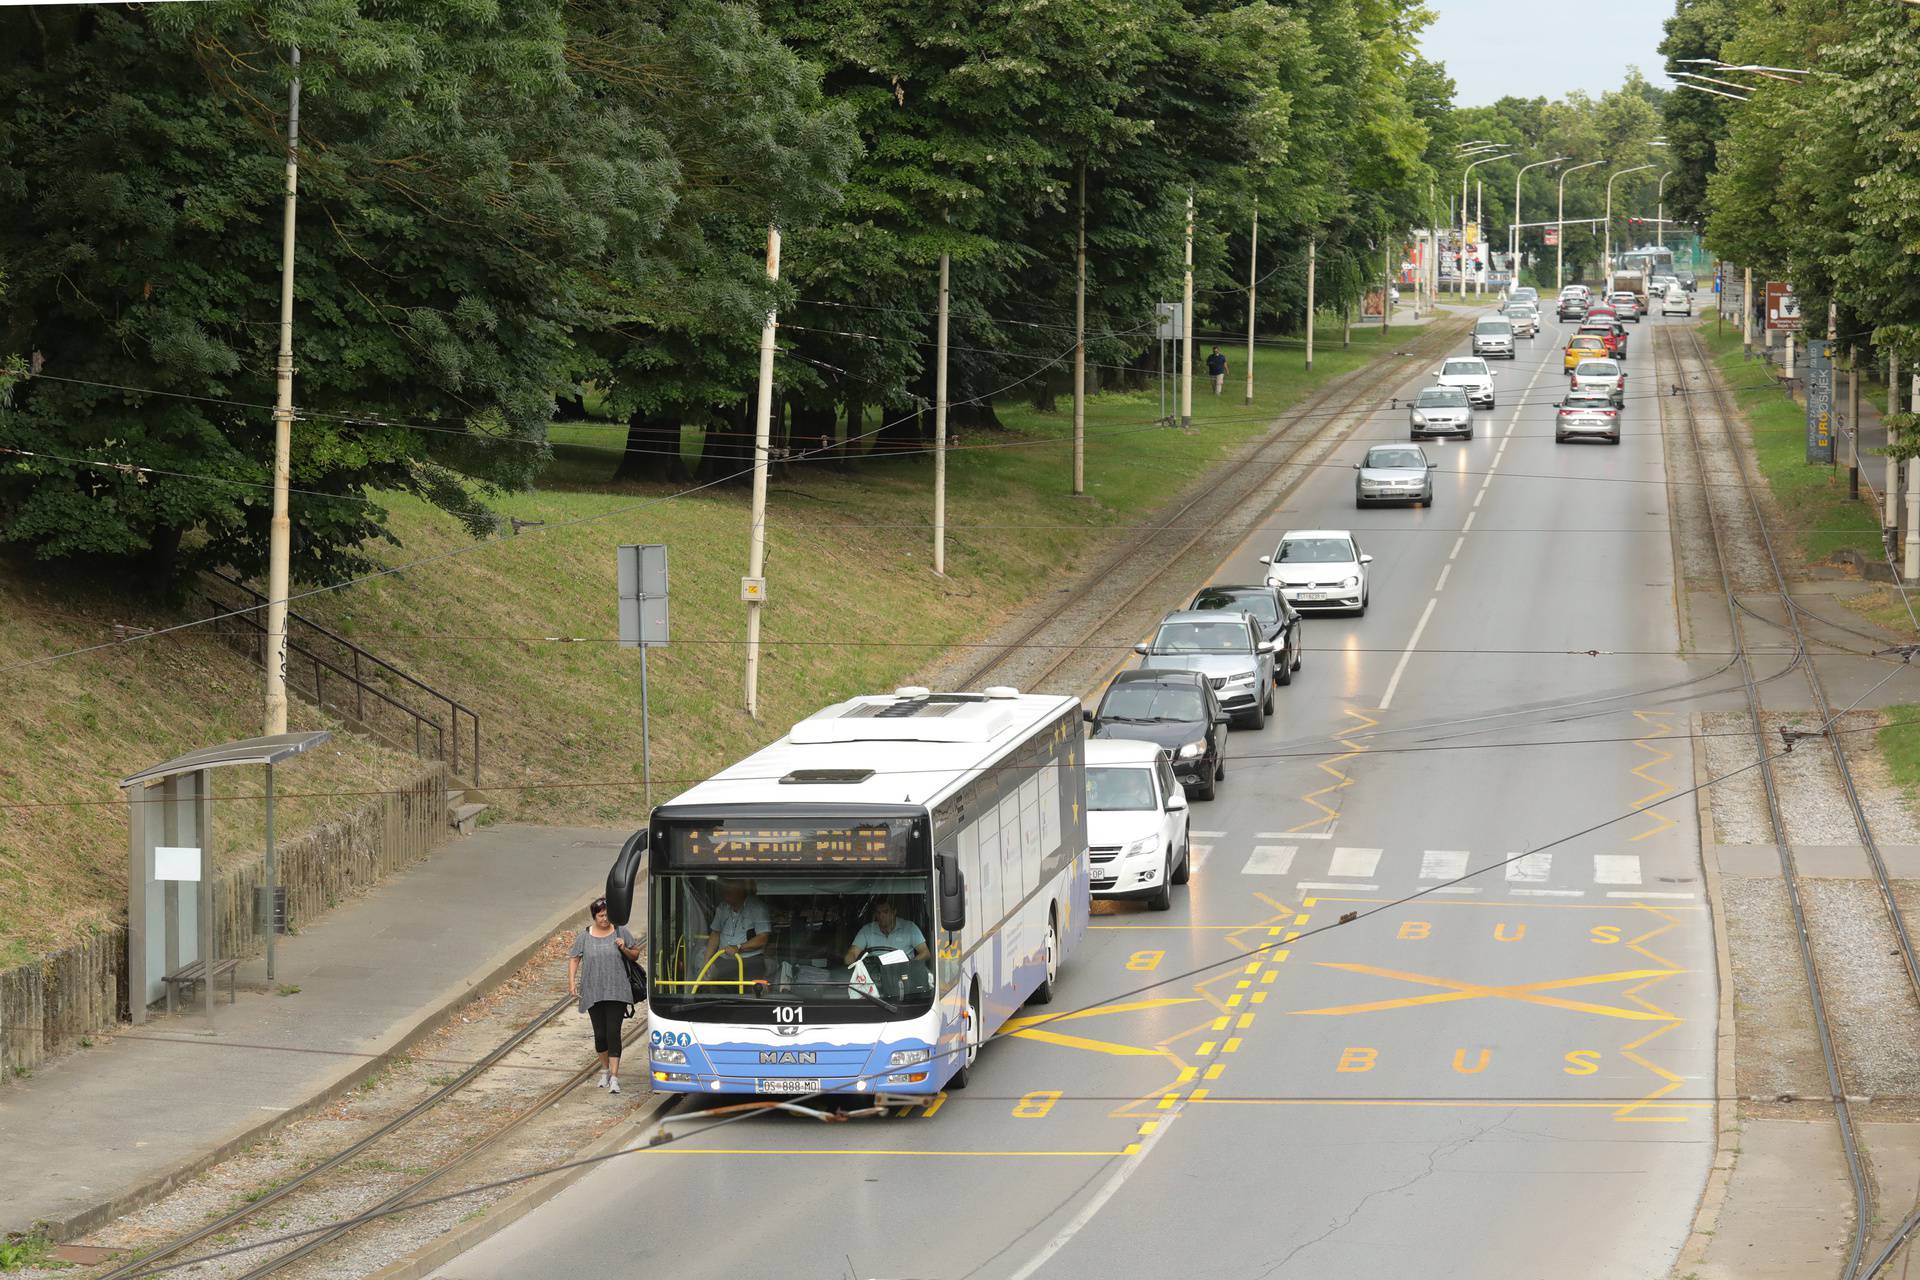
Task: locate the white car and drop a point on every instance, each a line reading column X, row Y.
column 1136, row 822
column 1676, row 301
column 1472, row 375
column 1601, row 375
column 1320, row 569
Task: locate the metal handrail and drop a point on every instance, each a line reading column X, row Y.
column 446, row 748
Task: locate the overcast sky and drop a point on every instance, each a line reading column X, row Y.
column 1497, row 48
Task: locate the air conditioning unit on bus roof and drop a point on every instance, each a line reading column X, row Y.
column 909, row 716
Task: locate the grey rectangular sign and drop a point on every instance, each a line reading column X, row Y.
column 1819, row 401
column 1172, row 321
column 643, row 595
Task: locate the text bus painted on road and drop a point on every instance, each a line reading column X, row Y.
column 858, row 906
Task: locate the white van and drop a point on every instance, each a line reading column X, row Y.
column 1676, row 301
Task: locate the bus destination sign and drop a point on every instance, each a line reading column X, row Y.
column 738, row 845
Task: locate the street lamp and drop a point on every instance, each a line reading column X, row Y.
column 1560, row 224
column 1460, row 284
column 1513, row 234
column 1606, row 249
column 1660, row 211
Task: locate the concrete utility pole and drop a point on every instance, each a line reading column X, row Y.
column 1560, row 226
column 280, row 530
column 1480, row 234
column 1386, row 281
column 1253, row 282
column 1911, row 568
column 1186, row 327
column 1660, row 211
column 1080, row 347
column 1891, row 519
column 757, row 526
column 940, row 430
column 1310, row 249
column 1853, row 425
column 1746, row 311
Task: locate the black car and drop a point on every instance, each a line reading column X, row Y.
column 1279, row 621
column 1573, row 307
column 1178, row 711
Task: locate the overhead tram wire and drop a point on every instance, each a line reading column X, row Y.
column 666, row 1138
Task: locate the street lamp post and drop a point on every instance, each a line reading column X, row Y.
column 1461, row 282
column 1606, row 249
column 1560, row 225
column 1513, row 235
column 1660, row 212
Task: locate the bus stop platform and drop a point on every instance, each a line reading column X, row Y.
column 101, row 1131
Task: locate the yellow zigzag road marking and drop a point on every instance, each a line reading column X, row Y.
column 1661, row 789
column 1341, row 778
column 1670, row 1081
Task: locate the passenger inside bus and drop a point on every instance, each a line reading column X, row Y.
column 794, row 935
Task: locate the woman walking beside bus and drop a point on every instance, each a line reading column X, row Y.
column 597, row 974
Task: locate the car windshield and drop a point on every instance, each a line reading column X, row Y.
column 1588, row 342
column 1396, row 458
column 1202, row 637
column 1145, row 701
column 1457, row 368
column 1115, row 787
column 1442, row 398
column 809, row 922
column 1493, row 326
column 1258, row 603
column 1314, row 551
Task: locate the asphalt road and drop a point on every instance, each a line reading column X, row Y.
column 1509, row 1076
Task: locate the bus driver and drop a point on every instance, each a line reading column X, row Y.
column 887, row 932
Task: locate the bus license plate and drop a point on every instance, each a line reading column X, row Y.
column 790, row 1085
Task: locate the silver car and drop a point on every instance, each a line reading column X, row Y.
column 1601, row 375
column 1525, row 318
column 1588, row 413
column 1493, row 336
column 1440, row 411
column 1226, row 648
column 1394, row 473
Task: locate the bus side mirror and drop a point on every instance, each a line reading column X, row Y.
column 953, row 894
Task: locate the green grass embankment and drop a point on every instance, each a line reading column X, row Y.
column 853, row 603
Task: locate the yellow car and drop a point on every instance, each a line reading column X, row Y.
column 1585, row 346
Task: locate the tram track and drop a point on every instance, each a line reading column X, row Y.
column 1185, row 541
column 277, row 1201
column 1747, row 563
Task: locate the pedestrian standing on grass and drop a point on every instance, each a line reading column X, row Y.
column 597, row 974
column 1217, row 369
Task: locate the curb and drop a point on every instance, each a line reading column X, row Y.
column 1726, row 1150
column 436, row 1014
column 498, row 1217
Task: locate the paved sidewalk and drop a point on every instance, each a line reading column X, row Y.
column 107, row 1128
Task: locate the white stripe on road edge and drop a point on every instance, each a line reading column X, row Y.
column 1529, row 868
column 1400, row 668
column 1441, row 585
column 1208, row 835
column 1443, row 864
column 1549, row 893
column 1456, row 889
column 1270, row 860
column 1467, row 524
column 1631, row 893
column 1197, row 851
column 1358, row 863
column 1108, row 1189
column 1616, row 868
column 1296, row 835
column 1458, row 542
column 1342, row 886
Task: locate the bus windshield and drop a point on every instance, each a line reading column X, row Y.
column 858, row 943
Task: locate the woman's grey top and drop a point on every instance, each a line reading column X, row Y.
column 603, row 973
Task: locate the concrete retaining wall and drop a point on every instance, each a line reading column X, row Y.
column 49, row 1006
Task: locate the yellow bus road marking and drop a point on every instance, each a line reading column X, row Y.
column 1530, row 1105
column 1092, row 1045
column 1528, row 992
column 1341, row 779
column 1013, row 1026
column 1530, row 906
column 1656, row 728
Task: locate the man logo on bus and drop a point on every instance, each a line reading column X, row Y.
column 787, row 1058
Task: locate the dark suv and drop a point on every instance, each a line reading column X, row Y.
column 1176, row 710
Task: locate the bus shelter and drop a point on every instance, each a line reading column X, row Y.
column 170, row 932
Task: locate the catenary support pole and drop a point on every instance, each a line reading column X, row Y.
column 1186, row 326
column 1253, row 282
column 271, row 925
column 1310, row 304
column 1853, row 425
column 1911, row 568
column 1480, row 235
column 1746, row 311
column 1891, row 519
column 1386, row 282
column 940, row 427
column 757, row 521
column 280, row 528
column 1080, row 347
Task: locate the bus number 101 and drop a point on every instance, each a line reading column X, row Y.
column 791, row 1013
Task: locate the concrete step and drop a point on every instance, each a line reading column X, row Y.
column 465, row 817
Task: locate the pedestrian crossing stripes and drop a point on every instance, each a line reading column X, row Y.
column 1452, row 871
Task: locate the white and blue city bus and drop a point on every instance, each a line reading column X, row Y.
column 961, row 815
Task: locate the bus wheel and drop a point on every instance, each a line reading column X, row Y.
column 960, row 1077
column 1043, row 994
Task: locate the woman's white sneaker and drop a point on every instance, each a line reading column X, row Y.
column 613, row 1084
